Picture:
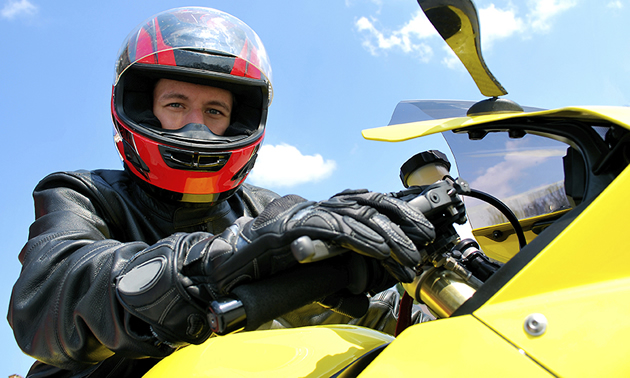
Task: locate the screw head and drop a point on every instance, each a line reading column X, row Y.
column 434, row 197
column 535, row 324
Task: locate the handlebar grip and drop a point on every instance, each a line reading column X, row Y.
column 271, row 298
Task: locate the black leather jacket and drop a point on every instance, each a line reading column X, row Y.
column 64, row 311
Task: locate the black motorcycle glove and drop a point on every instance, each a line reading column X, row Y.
column 406, row 224
column 257, row 248
column 151, row 288
column 169, row 285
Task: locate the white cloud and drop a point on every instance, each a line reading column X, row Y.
column 617, row 4
column 451, row 60
column 498, row 24
column 285, row 166
column 406, row 39
column 16, row 8
column 541, row 12
column 499, row 178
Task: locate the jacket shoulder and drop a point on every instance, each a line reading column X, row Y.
column 83, row 179
column 100, row 193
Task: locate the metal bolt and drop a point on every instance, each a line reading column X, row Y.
column 535, row 324
column 434, row 197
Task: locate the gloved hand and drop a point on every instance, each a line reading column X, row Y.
column 151, row 288
column 169, row 284
column 356, row 220
column 405, row 230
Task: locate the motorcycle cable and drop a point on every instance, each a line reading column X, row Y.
column 509, row 214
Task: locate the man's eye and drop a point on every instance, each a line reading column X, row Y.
column 214, row 111
column 174, row 105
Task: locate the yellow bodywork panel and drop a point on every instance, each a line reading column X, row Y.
column 504, row 249
column 581, row 283
column 452, row 347
column 500, row 242
column 301, row 352
column 406, row 131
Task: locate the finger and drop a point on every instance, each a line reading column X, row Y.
column 399, row 272
column 403, row 249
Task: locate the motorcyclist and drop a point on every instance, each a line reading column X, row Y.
column 120, row 265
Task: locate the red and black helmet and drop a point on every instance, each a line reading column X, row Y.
column 201, row 46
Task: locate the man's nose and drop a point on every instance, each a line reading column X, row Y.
column 194, row 116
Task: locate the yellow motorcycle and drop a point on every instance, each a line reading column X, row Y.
column 536, row 287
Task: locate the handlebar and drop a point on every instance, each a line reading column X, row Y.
column 262, row 301
column 328, row 271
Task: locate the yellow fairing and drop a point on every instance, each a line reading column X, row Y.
column 453, row 347
column 405, row 131
column 500, row 242
column 301, row 352
column 581, row 284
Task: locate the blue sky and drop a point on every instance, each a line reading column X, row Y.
column 338, row 67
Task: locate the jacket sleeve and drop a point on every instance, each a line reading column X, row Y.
column 63, row 308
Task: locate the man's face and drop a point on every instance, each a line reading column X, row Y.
column 177, row 103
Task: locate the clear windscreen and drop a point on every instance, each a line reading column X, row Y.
column 526, row 174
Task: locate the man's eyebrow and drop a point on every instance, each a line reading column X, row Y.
column 173, row 95
column 222, row 104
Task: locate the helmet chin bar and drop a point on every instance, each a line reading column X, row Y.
column 175, row 197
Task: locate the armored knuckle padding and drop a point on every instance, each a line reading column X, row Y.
column 275, row 209
column 150, row 289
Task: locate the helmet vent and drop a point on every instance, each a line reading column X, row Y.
column 193, row 160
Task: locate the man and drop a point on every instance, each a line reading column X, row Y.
column 120, row 265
